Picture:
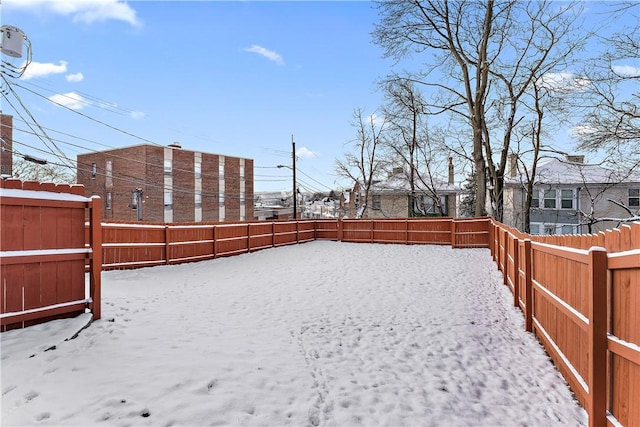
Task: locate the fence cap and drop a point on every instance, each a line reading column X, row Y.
column 41, row 195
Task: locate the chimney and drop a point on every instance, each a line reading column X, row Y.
column 575, row 158
column 451, row 174
column 512, row 165
column 396, row 171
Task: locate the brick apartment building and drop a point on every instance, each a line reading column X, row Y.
column 6, row 145
column 168, row 184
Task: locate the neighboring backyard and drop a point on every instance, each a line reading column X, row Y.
column 322, row 333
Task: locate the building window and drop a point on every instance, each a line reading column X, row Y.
column 94, row 170
column 242, row 199
column 550, row 199
column 221, row 171
column 534, row 228
column 221, row 200
column 241, row 172
column 134, row 200
column 198, row 170
column 109, row 174
column 375, row 201
column 168, row 200
column 535, row 200
column 552, row 229
column 108, row 201
column 167, row 167
column 566, row 201
column 444, row 202
column 198, row 199
column 634, row 197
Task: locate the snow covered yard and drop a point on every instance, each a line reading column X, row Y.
column 324, row 333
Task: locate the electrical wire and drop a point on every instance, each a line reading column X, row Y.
column 44, row 133
column 101, row 103
column 143, row 162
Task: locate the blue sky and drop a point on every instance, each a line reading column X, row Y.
column 234, row 78
column 238, row 78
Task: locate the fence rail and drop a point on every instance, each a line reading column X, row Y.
column 43, row 254
column 142, row 245
column 580, row 296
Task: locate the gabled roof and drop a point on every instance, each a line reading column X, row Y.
column 399, row 183
column 559, row 171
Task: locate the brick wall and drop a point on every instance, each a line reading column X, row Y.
column 143, row 167
column 183, row 186
column 210, row 174
column 6, row 145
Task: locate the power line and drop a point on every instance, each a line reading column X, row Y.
column 44, row 134
column 89, row 117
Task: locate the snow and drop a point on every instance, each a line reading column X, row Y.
column 323, row 333
column 42, row 195
column 558, row 171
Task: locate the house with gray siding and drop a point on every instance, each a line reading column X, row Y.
column 571, row 197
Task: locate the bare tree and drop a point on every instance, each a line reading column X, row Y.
column 546, row 109
column 457, row 34
column 613, row 123
column 409, row 140
column 596, row 195
column 546, row 39
column 484, row 58
column 363, row 166
column 27, row 168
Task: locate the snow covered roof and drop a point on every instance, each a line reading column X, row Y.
column 560, row 171
column 399, row 183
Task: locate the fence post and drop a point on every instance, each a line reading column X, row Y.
column 166, row 244
column 340, row 230
column 528, row 288
column 406, row 231
column 597, row 336
column 297, row 231
column 505, row 256
column 215, row 241
column 95, row 265
column 453, row 233
column 516, row 273
column 273, row 234
column 490, row 234
column 248, row 237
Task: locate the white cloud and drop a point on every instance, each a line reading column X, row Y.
column 582, row 130
column 70, row 100
column 86, row 11
column 375, row 119
column 564, row 81
column 137, row 115
column 305, row 153
column 40, row 69
column 74, row 78
column 626, row 70
column 269, row 54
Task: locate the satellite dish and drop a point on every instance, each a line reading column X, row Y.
column 12, row 41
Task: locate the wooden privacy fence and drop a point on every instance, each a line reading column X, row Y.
column 140, row 245
column 582, row 301
column 43, row 253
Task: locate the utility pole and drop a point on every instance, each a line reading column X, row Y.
column 295, row 188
